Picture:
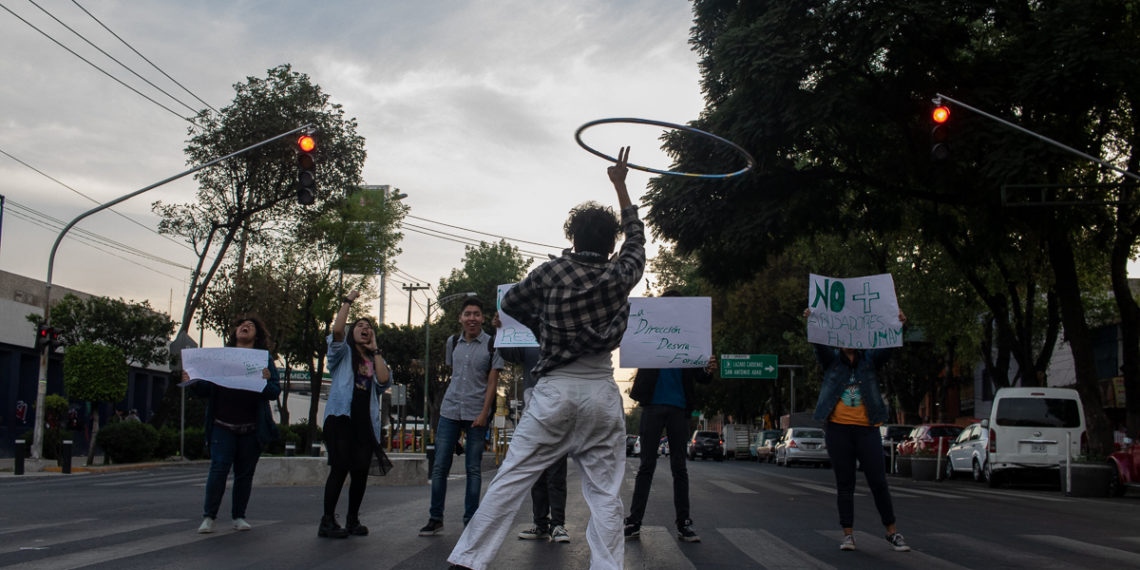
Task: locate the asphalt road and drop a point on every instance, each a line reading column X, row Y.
column 748, row 516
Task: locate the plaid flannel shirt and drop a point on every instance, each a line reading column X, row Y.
column 578, row 304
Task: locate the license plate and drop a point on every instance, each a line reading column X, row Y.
column 1037, row 448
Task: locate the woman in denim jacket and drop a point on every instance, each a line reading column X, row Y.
column 352, row 417
column 851, row 405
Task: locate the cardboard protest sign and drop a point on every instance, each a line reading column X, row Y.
column 856, row 312
column 667, row 332
column 512, row 333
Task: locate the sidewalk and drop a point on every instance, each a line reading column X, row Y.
column 50, row 467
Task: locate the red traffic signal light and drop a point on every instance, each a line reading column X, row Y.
column 47, row 337
column 940, row 134
column 306, row 170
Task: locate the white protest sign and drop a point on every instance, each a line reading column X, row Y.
column 237, row 368
column 667, row 332
column 856, row 312
column 512, row 333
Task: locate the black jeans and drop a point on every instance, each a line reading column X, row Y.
column 847, row 444
column 675, row 421
column 548, row 496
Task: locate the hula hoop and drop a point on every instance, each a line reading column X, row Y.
column 749, row 162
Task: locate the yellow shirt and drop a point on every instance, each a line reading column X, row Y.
column 850, row 409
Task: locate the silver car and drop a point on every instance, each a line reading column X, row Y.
column 969, row 453
column 802, row 445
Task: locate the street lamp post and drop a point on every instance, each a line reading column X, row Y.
column 41, row 387
column 791, row 388
column 427, row 354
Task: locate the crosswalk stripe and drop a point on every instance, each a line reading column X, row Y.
column 104, row 528
column 1095, row 551
column 118, row 551
column 869, row 544
column 732, row 487
column 999, row 555
column 28, row 527
column 1015, row 495
column 770, row 551
column 937, row 494
column 175, row 481
column 825, row 489
column 656, row 548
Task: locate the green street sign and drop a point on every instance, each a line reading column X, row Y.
column 748, row 366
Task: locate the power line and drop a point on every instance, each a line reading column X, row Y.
column 459, row 239
column 112, row 58
column 485, row 233
column 101, row 70
column 94, row 201
column 144, row 58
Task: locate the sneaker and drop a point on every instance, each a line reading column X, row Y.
column 207, row 526
column 330, row 529
column 632, row 530
column 241, row 524
column 897, row 542
column 559, row 534
column 355, row 528
column 432, row 527
column 848, row 542
column 685, row 532
column 535, row 533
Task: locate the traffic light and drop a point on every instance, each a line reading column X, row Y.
column 939, row 135
column 306, row 170
column 43, row 334
column 53, row 338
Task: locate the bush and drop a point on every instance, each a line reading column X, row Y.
column 168, row 442
column 128, row 442
column 195, row 443
column 53, row 442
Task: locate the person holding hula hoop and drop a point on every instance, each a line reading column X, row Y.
column 578, row 306
column 352, row 416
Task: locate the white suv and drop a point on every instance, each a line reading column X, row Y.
column 969, row 453
column 1033, row 428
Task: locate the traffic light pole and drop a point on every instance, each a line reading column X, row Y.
column 41, row 387
column 1040, row 137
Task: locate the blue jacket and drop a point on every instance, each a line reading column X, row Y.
column 266, row 427
column 836, row 374
column 343, row 382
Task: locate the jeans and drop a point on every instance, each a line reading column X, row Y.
column 675, row 422
column 446, row 435
column 548, row 496
column 227, row 450
column 847, row 444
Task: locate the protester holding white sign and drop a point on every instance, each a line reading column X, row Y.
column 856, row 312
column 238, row 418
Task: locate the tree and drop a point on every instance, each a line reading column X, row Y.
column 136, row 329
column 251, row 197
column 95, row 373
column 783, row 78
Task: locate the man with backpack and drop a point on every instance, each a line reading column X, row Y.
column 467, row 406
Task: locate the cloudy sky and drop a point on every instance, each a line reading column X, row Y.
column 469, row 107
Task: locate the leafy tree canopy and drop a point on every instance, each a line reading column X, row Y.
column 136, row 329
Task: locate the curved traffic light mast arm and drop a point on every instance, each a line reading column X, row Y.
column 41, row 388
column 1040, row 137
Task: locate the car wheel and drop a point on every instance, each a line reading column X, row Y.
column 948, row 471
column 1115, row 486
column 992, row 477
column 979, row 474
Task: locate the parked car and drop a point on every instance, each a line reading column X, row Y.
column 892, row 434
column 663, row 446
column 1127, row 464
column 1030, row 429
column 706, row 444
column 630, row 440
column 802, row 445
column 759, row 448
column 637, row 447
column 771, row 445
column 969, row 453
column 929, row 439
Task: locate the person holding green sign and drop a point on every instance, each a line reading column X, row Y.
column 852, row 408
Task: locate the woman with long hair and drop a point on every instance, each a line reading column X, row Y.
column 352, row 416
column 238, row 424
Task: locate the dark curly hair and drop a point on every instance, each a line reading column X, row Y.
column 592, row 227
column 260, row 341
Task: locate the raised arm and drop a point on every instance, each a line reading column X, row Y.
column 342, row 315
column 617, row 174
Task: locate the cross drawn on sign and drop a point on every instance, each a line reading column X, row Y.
column 763, row 366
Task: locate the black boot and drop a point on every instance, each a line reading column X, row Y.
column 330, row 529
column 355, row 528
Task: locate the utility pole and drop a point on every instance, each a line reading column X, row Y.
column 412, row 288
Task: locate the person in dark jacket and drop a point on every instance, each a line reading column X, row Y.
column 851, row 404
column 667, row 396
column 238, row 424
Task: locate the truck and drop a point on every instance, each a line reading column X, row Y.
column 736, row 440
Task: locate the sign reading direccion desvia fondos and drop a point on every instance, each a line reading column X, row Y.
column 748, row 366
